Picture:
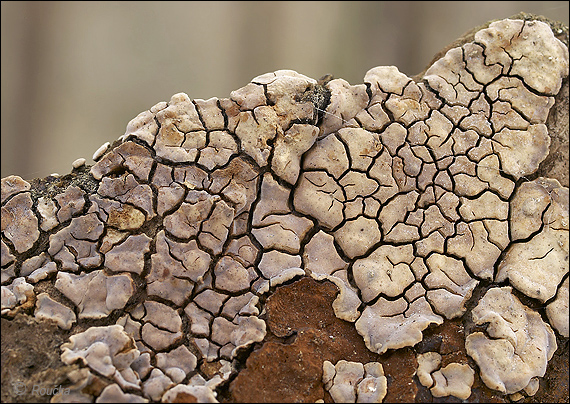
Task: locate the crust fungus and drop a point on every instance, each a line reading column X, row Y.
column 183, row 393
column 106, row 350
column 557, row 311
column 18, row 293
column 49, row 309
column 517, row 345
column 537, row 266
column 96, row 294
column 427, row 364
column 407, row 194
column 19, row 224
column 455, row 379
column 393, row 324
column 352, row 382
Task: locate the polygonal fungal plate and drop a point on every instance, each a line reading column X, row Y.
column 408, row 195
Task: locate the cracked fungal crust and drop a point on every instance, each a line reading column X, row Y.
column 518, row 346
column 406, row 195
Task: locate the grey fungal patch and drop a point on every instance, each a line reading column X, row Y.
column 407, row 195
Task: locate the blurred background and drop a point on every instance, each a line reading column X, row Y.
column 75, row 73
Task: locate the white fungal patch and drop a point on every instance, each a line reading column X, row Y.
column 101, row 150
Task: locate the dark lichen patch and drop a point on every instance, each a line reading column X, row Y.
column 319, row 95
